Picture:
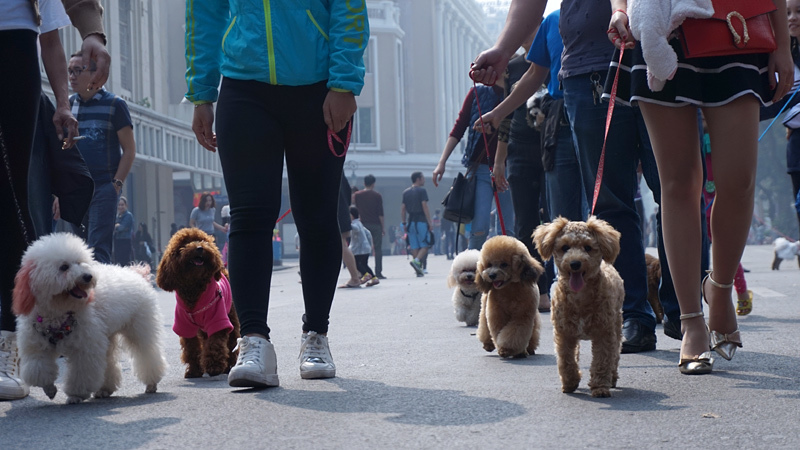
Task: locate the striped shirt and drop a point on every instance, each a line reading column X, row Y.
column 99, row 119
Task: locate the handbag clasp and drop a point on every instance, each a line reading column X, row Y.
column 737, row 39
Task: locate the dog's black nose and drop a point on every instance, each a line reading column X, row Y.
column 199, row 250
column 470, row 277
column 87, row 277
column 493, row 276
column 575, row 265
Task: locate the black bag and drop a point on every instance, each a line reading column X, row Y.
column 459, row 203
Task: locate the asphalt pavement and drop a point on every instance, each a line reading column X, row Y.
column 410, row 376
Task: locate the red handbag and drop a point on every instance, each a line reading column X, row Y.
column 737, row 27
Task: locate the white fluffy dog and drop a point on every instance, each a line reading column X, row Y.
column 68, row 304
column 466, row 296
column 784, row 249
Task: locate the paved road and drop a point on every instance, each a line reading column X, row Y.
column 410, row 376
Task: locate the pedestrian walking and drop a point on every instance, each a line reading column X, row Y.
column 370, row 205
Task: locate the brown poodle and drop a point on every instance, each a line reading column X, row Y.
column 509, row 317
column 205, row 318
column 653, row 280
column 587, row 302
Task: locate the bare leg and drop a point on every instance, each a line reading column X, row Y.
column 676, row 145
column 350, row 262
column 733, row 129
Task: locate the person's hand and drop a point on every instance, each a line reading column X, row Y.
column 489, row 66
column 93, row 48
column 63, row 118
column 338, row 109
column 202, row 125
column 438, row 172
column 619, row 32
column 499, row 172
column 788, row 133
column 490, row 120
column 56, row 209
column 227, row 227
column 780, row 63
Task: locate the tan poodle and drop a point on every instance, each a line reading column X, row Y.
column 587, row 302
column 509, row 316
column 653, row 280
column 205, row 318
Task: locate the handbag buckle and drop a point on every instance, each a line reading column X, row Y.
column 737, row 39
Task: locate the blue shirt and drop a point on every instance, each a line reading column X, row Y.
column 99, row 119
column 546, row 51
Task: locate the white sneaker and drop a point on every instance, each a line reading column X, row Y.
column 256, row 366
column 11, row 387
column 315, row 357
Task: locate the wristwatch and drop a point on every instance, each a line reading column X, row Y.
column 117, row 183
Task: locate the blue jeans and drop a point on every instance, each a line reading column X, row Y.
column 615, row 202
column 102, row 217
column 565, row 195
column 484, row 197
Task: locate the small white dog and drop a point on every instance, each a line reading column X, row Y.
column 68, row 304
column 784, row 249
column 466, row 296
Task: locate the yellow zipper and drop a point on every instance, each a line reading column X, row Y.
column 314, row 21
column 273, row 77
column 230, row 27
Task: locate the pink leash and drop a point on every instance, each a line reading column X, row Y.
column 611, row 102
column 488, row 156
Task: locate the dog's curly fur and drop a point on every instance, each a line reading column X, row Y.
column 466, row 296
column 68, row 304
column 509, row 316
column 653, row 280
column 587, row 302
column 190, row 262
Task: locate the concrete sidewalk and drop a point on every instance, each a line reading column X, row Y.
column 410, row 376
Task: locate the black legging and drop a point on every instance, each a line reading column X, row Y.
column 20, row 87
column 257, row 126
column 362, row 264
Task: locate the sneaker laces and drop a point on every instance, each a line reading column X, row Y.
column 314, row 348
column 8, row 357
column 249, row 351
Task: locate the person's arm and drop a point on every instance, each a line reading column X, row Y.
column 193, row 217
column 87, row 17
column 55, row 64
column 403, row 213
column 128, row 145
column 523, row 17
column 780, row 61
column 205, row 25
column 462, row 122
column 427, row 214
column 499, row 170
column 530, row 82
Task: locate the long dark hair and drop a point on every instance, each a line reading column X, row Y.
column 202, row 204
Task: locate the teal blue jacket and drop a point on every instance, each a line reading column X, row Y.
column 281, row 42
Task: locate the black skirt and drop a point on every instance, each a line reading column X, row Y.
column 712, row 81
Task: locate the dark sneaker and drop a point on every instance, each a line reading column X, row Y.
column 417, row 267
column 635, row 338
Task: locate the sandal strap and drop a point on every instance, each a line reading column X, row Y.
column 716, row 283
column 691, row 315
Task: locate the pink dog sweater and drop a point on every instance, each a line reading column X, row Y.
column 210, row 314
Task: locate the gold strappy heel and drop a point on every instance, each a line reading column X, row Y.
column 695, row 365
column 724, row 344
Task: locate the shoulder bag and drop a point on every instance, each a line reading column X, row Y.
column 737, row 27
column 459, row 203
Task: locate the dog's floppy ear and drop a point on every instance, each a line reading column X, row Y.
column 451, row 279
column 167, row 274
column 544, row 236
column 480, row 283
column 530, row 268
column 23, row 298
column 607, row 238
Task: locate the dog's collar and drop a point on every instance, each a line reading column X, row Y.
column 473, row 296
column 52, row 330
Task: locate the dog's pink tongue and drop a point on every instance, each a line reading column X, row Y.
column 576, row 281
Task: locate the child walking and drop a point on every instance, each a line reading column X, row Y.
column 361, row 246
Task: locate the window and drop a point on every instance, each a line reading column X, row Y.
column 362, row 127
column 125, row 45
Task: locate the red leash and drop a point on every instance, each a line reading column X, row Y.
column 488, row 156
column 284, row 215
column 611, row 102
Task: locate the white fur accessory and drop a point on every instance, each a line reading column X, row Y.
column 652, row 22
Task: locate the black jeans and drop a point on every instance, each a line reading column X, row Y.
column 259, row 124
column 20, row 87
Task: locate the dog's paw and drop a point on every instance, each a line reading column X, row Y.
column 569, row 388
column 601, row 392
column 50, row 391
column 488, row 346
column 103, row 393
column 193, row 372
column 216, row 368
column 74, row 399
column 509, row 353
column 151, row 389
